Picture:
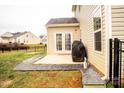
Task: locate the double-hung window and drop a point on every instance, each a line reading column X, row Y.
column 97, row 33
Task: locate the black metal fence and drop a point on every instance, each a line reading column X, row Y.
column 116, row 66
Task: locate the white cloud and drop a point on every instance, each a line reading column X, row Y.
column 31, row 17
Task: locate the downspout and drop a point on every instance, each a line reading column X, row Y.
column 108, row 28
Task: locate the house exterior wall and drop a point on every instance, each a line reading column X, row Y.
column 28, row 38
column 85, row 17
column 51, row 36
column 118, row 22
column 8, row 40
column 77, row 12
column 7, row 37
column 118, row 25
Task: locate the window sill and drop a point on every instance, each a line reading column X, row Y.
column 98, row 52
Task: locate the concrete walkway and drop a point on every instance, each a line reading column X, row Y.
column 89, row 76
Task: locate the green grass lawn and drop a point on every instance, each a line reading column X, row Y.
column 27, row 79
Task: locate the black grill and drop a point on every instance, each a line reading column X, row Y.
column 78, row 51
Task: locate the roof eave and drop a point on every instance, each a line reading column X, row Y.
column 62, row 25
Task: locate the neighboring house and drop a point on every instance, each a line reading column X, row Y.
column 95, row 26
column 7, row 37
column 20, row 37
column 0, row 39
column 43, row 39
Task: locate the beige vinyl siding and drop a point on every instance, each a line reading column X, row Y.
column 77, row 12
column 7, row 40
column 118, row 24
column 87, row 13
column 29, row 38
column 51, row 31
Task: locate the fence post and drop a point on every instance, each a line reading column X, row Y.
column 110, row 59
column 26, row 49
column 17, row 48
column 116, row 63
column 2, row 50
column 120, row 62
column 45, row 47
column 35, row 48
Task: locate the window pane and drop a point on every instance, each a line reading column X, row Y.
column 97, row 23
column 98, row 41
column 67, row 41
column 59, row 41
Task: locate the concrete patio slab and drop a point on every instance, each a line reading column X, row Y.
column 57, row 59
column 28, row 64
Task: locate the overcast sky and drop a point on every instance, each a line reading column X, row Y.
column 15, row 18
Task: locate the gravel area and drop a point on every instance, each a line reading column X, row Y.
column 89, row 76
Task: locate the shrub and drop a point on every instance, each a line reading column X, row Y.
column 13, row 46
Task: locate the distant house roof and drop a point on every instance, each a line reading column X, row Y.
column 9, row 34
column 18, row 34
column 62, row 21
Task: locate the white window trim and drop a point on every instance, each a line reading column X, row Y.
column 63, row 43
column 96, row 51
column 68, row 51
column 56, row 51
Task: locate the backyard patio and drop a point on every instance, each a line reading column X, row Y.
column 89, row 76
column 57, row 59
